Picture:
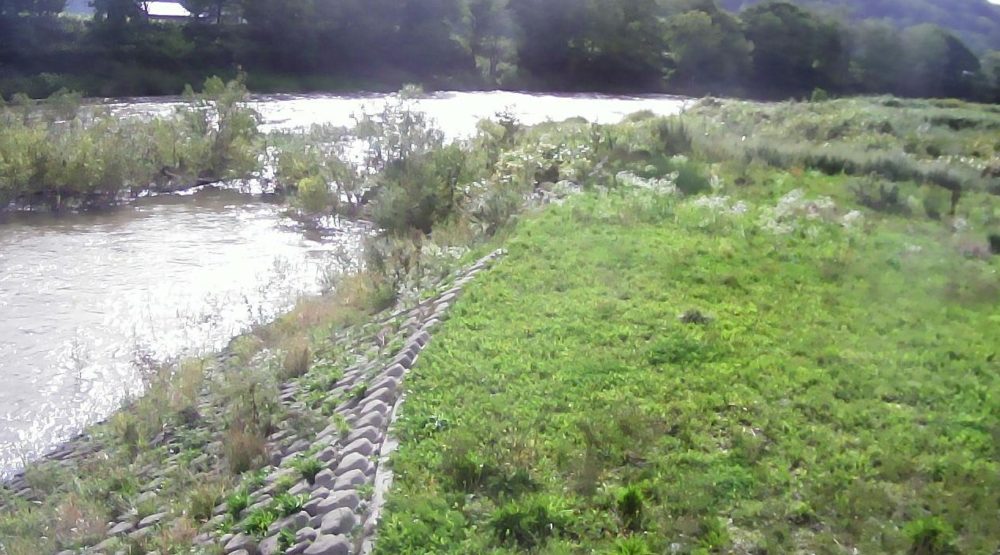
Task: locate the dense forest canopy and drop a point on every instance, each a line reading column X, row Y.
column 773, row 49
column 977, row 22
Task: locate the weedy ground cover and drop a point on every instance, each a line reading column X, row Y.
column 771, row 365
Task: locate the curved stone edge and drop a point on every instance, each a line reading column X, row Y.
column 383, row 479
column 341, row 519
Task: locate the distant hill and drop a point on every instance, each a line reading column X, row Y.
column 977, row 22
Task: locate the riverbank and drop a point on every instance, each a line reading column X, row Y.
column 688, row 344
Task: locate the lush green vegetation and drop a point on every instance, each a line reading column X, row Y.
column 775, row 367
column 772, row 50
column 59, row 154
column 755, row 326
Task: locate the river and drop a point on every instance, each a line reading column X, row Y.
column 85, row 298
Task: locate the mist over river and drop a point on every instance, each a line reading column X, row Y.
column 83, row 297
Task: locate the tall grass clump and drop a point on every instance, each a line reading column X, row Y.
column 297, row 358
column 529, row 523
column 674, row 136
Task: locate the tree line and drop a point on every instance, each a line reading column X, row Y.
column 773, row 49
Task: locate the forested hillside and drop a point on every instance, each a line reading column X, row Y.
column 772, row 50
column 977, row 22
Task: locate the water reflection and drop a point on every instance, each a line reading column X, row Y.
column 82, row 297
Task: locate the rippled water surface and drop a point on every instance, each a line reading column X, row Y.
column 82, row 297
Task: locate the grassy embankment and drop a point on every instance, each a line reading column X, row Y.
column 759, row 370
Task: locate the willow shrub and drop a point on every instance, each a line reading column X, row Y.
column 94, row 157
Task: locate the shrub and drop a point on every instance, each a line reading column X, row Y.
column 420, row 191
column 494, row 208
column 203, row 500
column 297, row 359
column 884, row 198
column 257, row 522
column 690, row 179
column 287, row 504
column 245, row 449
column 673, row 136
column 630, row 507
column 529, row 524
column 286, row 539
column 819, row 95
column 79, row 520
column 930, row 536
column 713, row 535
column 313, row 195
column 464, row 469
column 994, row 240
column 632, row 545
column 935, row 204
column 285, row 483
column 308, row 467
column 237, row 502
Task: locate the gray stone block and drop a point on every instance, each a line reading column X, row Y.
column 349, row 480
column 326, row 479
column 306, row 534
column 241, row 541
column 338, row 521
column 362, row 446
column 353, row 461
column 372, row 419
column 394, row 371
column 329, row 545
column 371, row 433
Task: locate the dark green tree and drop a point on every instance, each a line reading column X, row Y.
column 31, row 7
column 490, row 35
column 795, row 51
column 876, row 52
column 117, row 12
column 282, row 34
column 427, row 37
column 937, row 64
column 708, row 50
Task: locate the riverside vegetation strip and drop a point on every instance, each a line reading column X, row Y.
column 711, row 347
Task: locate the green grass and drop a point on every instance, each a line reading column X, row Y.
column 840, row 390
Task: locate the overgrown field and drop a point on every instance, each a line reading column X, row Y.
column 788, row 362
column 642, row 375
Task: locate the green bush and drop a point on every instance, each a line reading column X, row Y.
column 421, row 191
column 203, row 501
column 287, row 504
column 632, row 545
column 257, row 522
column 673, row 136
column 308, row 467
column 237, row 502
column 630, row 508
column 930, row 536
column 313, row 195
column 880, row 197
column 691, row 179
column 96, row 159
column 528, row 524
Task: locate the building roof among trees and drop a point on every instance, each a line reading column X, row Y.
column 167, row 10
